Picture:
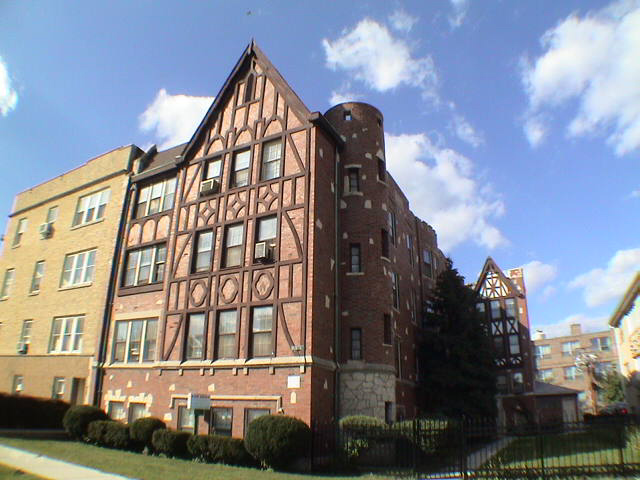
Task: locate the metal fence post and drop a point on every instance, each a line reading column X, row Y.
column 463, row 449
column 621, row 443
column 540, row 442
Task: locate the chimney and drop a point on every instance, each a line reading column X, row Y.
column 539, row 335
column 575, row 329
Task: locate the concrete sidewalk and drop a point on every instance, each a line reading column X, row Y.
column 51, row 468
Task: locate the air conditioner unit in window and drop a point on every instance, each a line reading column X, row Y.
column 22, row 348
column 209, row 187
column 263, row 252
column 45, row 230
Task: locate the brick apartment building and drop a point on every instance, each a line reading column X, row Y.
column 55, row 271
column 288, row 275
column 555, row 359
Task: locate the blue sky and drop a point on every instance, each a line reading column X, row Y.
column 513, row 127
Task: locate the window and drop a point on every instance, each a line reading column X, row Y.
column 569, row 348
column 427, row 258
column 156, row 197
column 240, row 173
column 395, row 290
column 382, row 170
column 136, row 411
column 501, row 383
column 226, row 335
column 233, row 245
column 271, row 156
column 145, row 265
column 267, row 230
column 57, row 389
column 388, row 333
column 543, row 351
column 602, row 368
column 510, row 307
column 249, row 86
column 203, row 252
column 7, row 283
column 116, row 411
column 498, row 345
column 250, row 414
column 66, row 334
column 480, row 308
column 414, row 307
column 410, row 248
column 356, row 259
column 517, row 382
column 38, row 272
column 20, row 230
column 213, row 171
column 354, row 180
column 186, row 419
column 18, row 384
column 545, row 375
column 514, row 345
column 347, row 115
column 384, row 241
column 221, row 421
column 572, row 373
column 91, row 208
column 392, row 226
column 52, row 215
column 356, row 344
column 135, row 341
column 261, row 326
column 601, row 344
column 78, row 268
column 25, row 333
column 195, row 336
column 496, row 311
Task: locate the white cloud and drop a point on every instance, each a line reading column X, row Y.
column 563, row 327
column 344, row 94
column 402, row 21
column 548, row 292
column 460, row 8
column 535, row 130
column 8, row 94
column 172, row 119
column 538, row 274
column 371, row 54
column 465, row 131
column 601, row 285
column 593, row 59
column 635, row 194
column 442, row 190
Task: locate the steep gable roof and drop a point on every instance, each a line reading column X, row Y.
column 493, row 283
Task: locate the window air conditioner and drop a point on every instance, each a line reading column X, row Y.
column 22, row 348
column 263, row 252
column 45, row 230
column 209, row 187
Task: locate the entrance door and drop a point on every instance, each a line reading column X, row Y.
column 77, row 391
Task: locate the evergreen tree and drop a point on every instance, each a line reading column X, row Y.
column 612, row 387
column 458, row 373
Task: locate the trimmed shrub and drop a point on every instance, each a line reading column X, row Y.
column 77, row 419
column 235, row 453
column 141, row 431
column 117, row 435
column 24, row 412
column 171, row 443
column 96, row 431
column 219, row 449
column 277, row 440
column 198, row 446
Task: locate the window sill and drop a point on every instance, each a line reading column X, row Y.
column 4, row 299
column 134, row 289
column 73, row 287
column 353, row 194
column 150, row 216
column 65, row 353
column 386, row 259
column 16, row 246
column 33, row 294
column 381, row 181
column 93, row 222
column 354, row 274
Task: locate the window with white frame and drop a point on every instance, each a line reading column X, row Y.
column 57, row 389
column 66, row 334
column 7, row 283
column 36, row 279
column 271, row 157
column 601, row 344
column 543, row 351
column 226, row 334
column 25, row 332
column 569, row 348
column 52, row 215
column 545, row 375
column 195, row 336
column 203, row 254
column 18, row 384
column 186, row 419
column 91, row 208
column 240, row 172
column 267, row 231
column 78, row 268
column 116, row 411
column 135, row 340
column 261, row 329
column 233, row 245
column 136, row 411
column 221, row 421
column 156, row 198
column 572, row 373
column 20, row 231
column 145, row 265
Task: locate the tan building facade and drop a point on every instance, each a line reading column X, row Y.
column 555, row 359
column 55, row 269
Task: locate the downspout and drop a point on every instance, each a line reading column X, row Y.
column 115, row 261
column 336, row 303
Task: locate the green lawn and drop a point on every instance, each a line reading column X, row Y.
column 10, row 473
column 148, row 467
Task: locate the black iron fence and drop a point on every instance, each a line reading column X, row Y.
column 479, row 448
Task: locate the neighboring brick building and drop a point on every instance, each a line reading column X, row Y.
column 55, row 271
column 555, row 359
column 289, row 276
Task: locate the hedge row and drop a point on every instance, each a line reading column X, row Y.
column 23, row 412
